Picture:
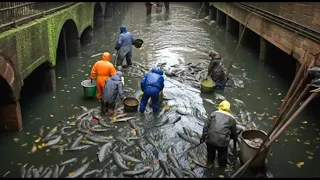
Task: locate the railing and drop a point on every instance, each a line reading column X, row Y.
column 13, row 14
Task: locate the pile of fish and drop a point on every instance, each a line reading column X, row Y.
column 256, row 142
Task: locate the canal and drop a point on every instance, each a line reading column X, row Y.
column 173, row 38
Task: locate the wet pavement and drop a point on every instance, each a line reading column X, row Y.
column 173, row 38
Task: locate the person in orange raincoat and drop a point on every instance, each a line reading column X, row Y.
column 103, row 69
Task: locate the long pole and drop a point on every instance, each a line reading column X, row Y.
column 200, row 9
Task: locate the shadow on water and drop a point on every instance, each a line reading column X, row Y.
column 177, row 37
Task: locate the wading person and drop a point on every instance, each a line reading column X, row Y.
column 124, row 47
column 113, row 88
column 216, row 71
column 159, row 7
column 217, row 132
column 166, row 5
column 151, row 85
column 102, row 69
column 149, row 7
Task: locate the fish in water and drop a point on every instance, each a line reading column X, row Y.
column 54, row 141
column 91, row 172
column 55, row 173
column 117, row 159
column 79, row 148
column 162, row 123
column 48, row 173
column 175, row 171
column 61, row 170
column 23, row 170
column 104, row 151
column 209, row 101
column 179, row 111
column 84, row 108
column 50, row 133
column 138, row 172
column 68, row 161
column 129, row 158
column 132, row 124
column 177, row 119
column 79, row 171
column 122, row 119
column 164, row 166
column 104, row 124
column 219, row 96
column 124, row 141
column 140, row 144
column 187, row 138
column 172, row 158
column 157, row 173
column 29, row 172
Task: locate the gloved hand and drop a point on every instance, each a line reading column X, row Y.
column 202, row 139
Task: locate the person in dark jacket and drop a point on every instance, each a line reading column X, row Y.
column 217, row 133
column 151, row 85
column 113, row 88
column 149, row 7
column 166, row 5
column 216, row 71
column 124, row 47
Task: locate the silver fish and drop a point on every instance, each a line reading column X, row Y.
column 103, row 152
column 79, row 148
column 79, row 171
column 76, row 141
column 129, row 158
column 23, row 170
column 54, row 141
column 50, row 133
column 55, row 173
column 68, row 161
column 122, row 119
column 35, row 173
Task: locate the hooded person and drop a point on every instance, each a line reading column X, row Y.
column 217, row 131
column 151, row 85
column 113, row 88
column 215, row 70
column 102, row 69
column 148, row 7
column 124, row 47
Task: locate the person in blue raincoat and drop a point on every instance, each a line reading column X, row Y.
column 216, row 71
column 113, row 88
column 124, row 47
column 151, row 85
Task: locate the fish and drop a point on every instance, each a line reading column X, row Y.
column 199, row 164
column 104, row 150
column 48, row 173
column 161, row 175
column 97, row 138
column 68, row 161
column 241, row 128
column 140, row 144
column 122, row 119
column 23, row 170
column 95, row 55
column 172, row 159
column 79, row 171
column 149, row 140
column 104, row 124
column 29, row 171
column 209, row 101
column 34, row 148
column 138, row 132
column 44, row 171
column 138, row 172
column 55, row 173
column 78, row 148
column 76, row 142
column 162, row 123
column 164, row 166
column 132, row 124
column 54, row 141
column 50, row 133
column 41, row 130
column 129, row 158
column 179, row 111
column 62, row 129
column 40, row 169
column 5, row 174
column 187, row 138
column 117, row 159
column 219, row 96
column 58, row 146
column 189, row 173
column 105, row 174
column 91, row 172
column 84, row 131
column 156, row 173
column 192, row 155
column 175, row 171
column 35, row 173
column 61, row 169
column 89, row 143
column 124, row 141
column 186, row 131
column 177, row 119
column 84, row 108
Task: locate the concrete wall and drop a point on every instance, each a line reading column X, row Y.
column 285, row 39
column 304, row 13
column 26, row 47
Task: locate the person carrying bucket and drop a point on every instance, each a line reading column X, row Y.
column 216, row 71
column 217, row 131
column 102, row 69
column 124, row 47
column 113, row 88
column 151, row 85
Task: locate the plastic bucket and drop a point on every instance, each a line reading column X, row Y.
column 89, row 89
column 138, row 43
column 207, row 85
column 247, row 151
column 131, row 104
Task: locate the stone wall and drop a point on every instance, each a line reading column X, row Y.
column 283, row 38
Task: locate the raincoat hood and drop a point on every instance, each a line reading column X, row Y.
column 224, row 106
column 157, row 71
column 117, row 77
column 106, row 56
column 123, row 29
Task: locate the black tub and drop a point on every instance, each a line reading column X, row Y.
column 131, row 104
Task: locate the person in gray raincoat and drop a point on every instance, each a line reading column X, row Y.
column 217, row 132
column 216, row 71
column 124, row 47
column 113, row 88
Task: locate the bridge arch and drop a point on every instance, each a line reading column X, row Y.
column 98, row 15
column 86, row 35
column 10, row 113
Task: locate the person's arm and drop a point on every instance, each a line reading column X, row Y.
column 161, row 83
column 210, row 67
column 120, row 91
column 234, row 134
column 93, row 72
column 143, row 81
column 119, row 42
column 206, row 128
column 132, row 38
column 112, row 70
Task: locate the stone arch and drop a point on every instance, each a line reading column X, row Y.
column 10, row 113
column 98, row 15
column 86, row 35
column 70, row 32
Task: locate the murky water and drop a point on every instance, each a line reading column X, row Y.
column 174, row 38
